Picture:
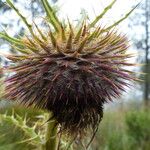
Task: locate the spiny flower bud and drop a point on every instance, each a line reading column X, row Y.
column 69, row 71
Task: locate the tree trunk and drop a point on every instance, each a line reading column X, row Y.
column 147, row 19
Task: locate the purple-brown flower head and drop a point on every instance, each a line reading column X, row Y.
column 69, row 71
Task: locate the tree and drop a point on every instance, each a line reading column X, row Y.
column 147, row 47
column 140, row 23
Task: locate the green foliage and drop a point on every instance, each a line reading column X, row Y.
column 24, row 129
column 112, row 132
column 138, row 128
column 18, row 132
column 125, row 129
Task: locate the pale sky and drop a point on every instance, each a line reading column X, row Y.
column 72, row 8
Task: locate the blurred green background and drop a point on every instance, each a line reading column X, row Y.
column 124, row 128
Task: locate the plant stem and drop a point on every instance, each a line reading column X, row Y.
column 51, row 135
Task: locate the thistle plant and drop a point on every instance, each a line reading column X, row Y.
column 69, row 71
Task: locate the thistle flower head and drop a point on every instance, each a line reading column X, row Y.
column 69, row 71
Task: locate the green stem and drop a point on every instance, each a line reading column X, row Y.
column 51, row 136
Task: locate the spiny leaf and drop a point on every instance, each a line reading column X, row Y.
column 78, row 35
column 22, row 50
column 82, row 44
column 94, row 34
column 84, row 30
column 102, row 14
column 19, row 122
column 69, row 41
column 120, row 20
column 52, row 16
column 45, row 47
column 70, row 27
column 54, row 42
column 31, row 45
column 15, row 58
column 63, row 36
column 29, row 26
column 11, row 39
column 105, row 39
column 40, row 32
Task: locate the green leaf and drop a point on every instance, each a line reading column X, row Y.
column 54, row 43
column 21, row 50
column 102, row 14
column 40, row 32
column 79, row 33
column 52, row 16
column 69, row 41
column 11, row 39
column 120, row 20
column 21, row 123
column 29, row 26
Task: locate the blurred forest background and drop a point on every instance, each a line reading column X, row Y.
column 126, row 123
